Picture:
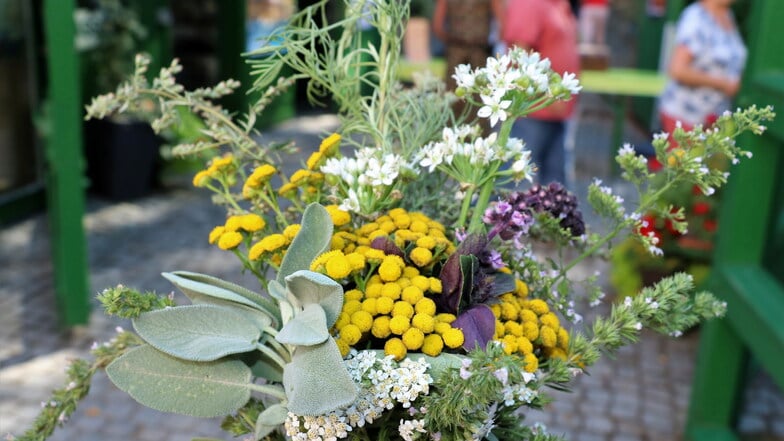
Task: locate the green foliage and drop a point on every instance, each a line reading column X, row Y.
column 464, row 400
column 159, row 381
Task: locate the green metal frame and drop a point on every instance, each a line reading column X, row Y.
column 65, row 165
column 741, row 275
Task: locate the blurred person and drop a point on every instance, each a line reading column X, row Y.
column 464, row 26
column 705, row 68
column 593, row 21
column 550, row 28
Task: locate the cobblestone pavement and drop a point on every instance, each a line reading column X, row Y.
column 640, row 395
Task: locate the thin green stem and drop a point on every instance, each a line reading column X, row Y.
column 272, row 354
column 461, row 220
column 267, row 389
column 481, row 204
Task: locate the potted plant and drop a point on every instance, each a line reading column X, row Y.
column 122, row 152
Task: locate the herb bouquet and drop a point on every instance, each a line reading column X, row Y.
column 399, row 295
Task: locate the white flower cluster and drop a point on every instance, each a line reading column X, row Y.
column 461, row 150
column 383, row 384
column 365, row 176
column 516, row 71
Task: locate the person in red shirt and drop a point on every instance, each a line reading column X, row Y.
column 593, row 21
column 550, row 28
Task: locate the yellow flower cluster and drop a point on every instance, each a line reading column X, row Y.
column 230, row 235
column 527, row 327
column 274, row 245
column 328, row 148
column 224, row 165
column 260, row 176
column 393, row 303
column 309, row 179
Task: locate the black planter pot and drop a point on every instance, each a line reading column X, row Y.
column 122, row 158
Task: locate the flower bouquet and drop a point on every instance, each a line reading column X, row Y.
column 400, row 295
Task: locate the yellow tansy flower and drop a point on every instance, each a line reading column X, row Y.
column 453, row 338
column 380, row 327
column 384, row 305
column 563, row 338
column 362, row 319
column 395, row 348
column 433, row 345
column 216, row 233
column 435, row 285
column 233, row 223
column 229, row 240
column 413, row 339
column 351, row 334
column 426, row 306
column 530, row 331
column 330, row 144
column 550, row 320
column 412, row 294
column 424, row 322
column 524, row 346
column 421, row 256
column 370, row 306
column 390, row 270
column 201, row 178
column 531, row 362
column 403, row 308
column 339, row 217
column 291, row 231
column 352, row 306
column 314, row 161
column 548, row 336
column 252, row 222
column 338, row 267
column 538, row 306
column 287, row 190
column 273, row 242
column 399, row 324
column 353, row 294
column 343, row 347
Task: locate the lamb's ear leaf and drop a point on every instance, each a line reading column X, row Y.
column 198, row 332
column 307, row 328
column 270, row 419
column 316, row 381
column 204, row 289
column 310, row 287
column 313, row 238
column 157, row 380
column 278, row 292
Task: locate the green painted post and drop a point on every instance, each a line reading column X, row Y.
column 65, row 165
column 231, row 44
column 718, row 382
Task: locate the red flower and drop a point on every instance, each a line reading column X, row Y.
column 696, row 191
column 648, row 227
column 710, row 225
column 700, row 208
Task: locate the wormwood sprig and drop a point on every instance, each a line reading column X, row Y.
column 125, row 302
column 666, row 307
column 59, row 407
